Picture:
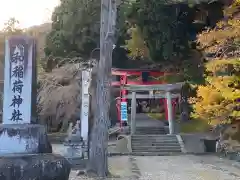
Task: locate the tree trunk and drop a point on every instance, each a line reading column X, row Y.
column 99, row 134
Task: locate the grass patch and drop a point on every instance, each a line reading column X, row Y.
column 194, row 125
column 160, row 116
column 157, row 116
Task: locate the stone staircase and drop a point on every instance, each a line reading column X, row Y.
column 155, row 144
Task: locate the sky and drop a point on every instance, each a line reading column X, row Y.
column 27, row 12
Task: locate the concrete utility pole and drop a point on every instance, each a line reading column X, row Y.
column 99, row 139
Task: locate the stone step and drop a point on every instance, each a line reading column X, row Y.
column 155, row 153
column 154, row 143
column 161, row 130
column 149, row 130
column 156, row 147
column 155, row 139
column 152, row 129
column 152, row 135
column 143, row 129
column 151, row 138
column 147, row 133
column 156, row 150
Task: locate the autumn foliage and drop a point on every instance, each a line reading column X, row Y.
column 218, row 101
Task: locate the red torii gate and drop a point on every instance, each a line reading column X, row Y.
column 125, row 73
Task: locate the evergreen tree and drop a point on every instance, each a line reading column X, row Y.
column 75, row 29
column 164, row 28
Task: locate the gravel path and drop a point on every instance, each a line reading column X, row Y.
column 186, row 167
column 118, row 166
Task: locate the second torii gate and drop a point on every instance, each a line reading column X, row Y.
column 166, row 90
column 143, row 74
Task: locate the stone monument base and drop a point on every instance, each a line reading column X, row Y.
column 34, row 167
column 24, row 138
column 25, row 154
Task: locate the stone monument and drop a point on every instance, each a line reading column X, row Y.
column 74, row 142
column 77, row 139
column 86, row 78
column 25, row 152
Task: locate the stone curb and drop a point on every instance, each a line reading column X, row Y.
column 181, row 143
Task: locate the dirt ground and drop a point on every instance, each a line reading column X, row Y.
column 184, row 167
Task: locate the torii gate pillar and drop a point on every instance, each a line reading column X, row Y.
column 170, row 112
